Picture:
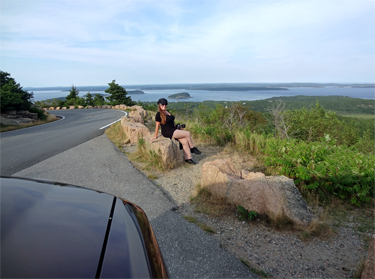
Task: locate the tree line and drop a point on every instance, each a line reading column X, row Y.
column 117, row 95
column 14, row 97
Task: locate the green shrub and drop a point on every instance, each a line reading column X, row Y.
column 313, row 124
column 325, row 168
column 41, row 114
column 366, row 144
column 245, row 214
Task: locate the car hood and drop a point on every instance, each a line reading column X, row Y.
column 67, row 231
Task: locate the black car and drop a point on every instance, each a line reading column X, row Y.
column 55, row 230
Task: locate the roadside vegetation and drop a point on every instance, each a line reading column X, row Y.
column 14, row 98
column 325, row 155
column 330, row 157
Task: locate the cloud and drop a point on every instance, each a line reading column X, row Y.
column 187, row 40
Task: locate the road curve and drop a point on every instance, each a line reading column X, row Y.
column 25, row 147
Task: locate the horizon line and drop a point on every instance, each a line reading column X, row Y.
column 207, row 83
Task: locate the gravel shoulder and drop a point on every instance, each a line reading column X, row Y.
column 268, row 252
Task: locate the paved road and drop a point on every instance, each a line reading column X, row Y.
column 98, row 164
column 26, row 147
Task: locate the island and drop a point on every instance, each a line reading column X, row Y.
column 178, row 96
column 135, row 92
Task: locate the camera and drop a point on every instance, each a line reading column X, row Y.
column 180, row 126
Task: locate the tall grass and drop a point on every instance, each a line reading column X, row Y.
column 116, row 134
column 149, row 157
column 254, row 143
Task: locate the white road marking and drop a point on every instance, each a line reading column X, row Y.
column 114, row 121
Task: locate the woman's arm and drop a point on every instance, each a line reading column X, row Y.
column 156, row 130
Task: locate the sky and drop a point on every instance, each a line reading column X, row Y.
column 92, row 42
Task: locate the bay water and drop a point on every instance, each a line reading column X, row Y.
column 204, row 95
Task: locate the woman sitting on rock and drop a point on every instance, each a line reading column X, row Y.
column 168, row 129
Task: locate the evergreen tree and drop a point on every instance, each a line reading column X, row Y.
column 73, row 93
column 117, row 95
column 12, row 96
column 98, row 100
column 89, row 99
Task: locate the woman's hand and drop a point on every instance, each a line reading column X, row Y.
column 154, row 138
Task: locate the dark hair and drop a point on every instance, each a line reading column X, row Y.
column 163, row 101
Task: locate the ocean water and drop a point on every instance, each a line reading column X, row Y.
column 203, row 95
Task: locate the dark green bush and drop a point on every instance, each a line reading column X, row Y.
column 325, row 168
column 366, row 144
column 313, row 124
column 41, row 114
column 12, row 96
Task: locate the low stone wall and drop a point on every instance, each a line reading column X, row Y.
column 119, row 107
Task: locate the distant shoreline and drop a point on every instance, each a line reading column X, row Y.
column 224, row 95
column 210, row 86
column 241, row 88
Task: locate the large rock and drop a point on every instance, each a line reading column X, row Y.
column 15, row 121
column 134, row 130
column 72, row 107
column 32, row 115
column 11, row 112
column 13, row 117
column 272, row 195
column 369, row 270
column 167, row 149
column 135, row 118
column 22, row 112
column 138, row 111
